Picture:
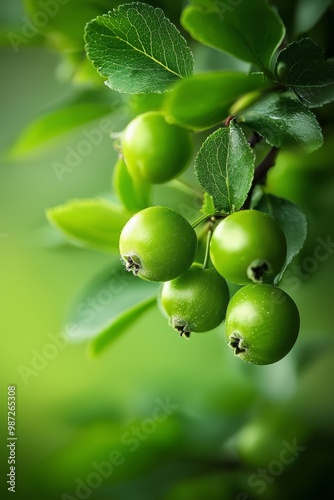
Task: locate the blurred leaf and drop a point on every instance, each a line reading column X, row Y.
column 293, row 222
column 204, row 484
column 138, row 49
column 64, row 21
column 121, row 451
column 229, row 28
column 225, row 167
column 283, row 121
column 103, row 300
column 308, row 13
column 315, row 398
column 133, row 193
column 90, row 223
column 204, row 100
column 53, row 126
column 303, row 67
column 119, row 325
column 141, row 103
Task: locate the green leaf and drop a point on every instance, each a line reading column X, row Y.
column 204, row 100
column 138, row 49
column 292, row 221
column 236, row 29
column 283, row 121
column 133, row 193
column 65, row 21
column 54, row 125
column 208, row 206
column 225, row 167
column 308, row 13
column 103, row 300
column 119, row 325
column 91, row 223
column 303, row 67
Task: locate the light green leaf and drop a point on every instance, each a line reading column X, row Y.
column 54, row 125
column 283, row 121
column 292, row 221
column 133, row 193
column 102, row 301
column 119, row 325
column 235, row 28
column 204, row 100
column 225, row 167
column 208, row 206
column 138, row 49
column 303, row 67
column 65, row 20
column 91, row 223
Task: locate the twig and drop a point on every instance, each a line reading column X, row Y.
column 261, row 173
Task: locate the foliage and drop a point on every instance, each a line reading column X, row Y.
column 138, row 50
column 241, row 121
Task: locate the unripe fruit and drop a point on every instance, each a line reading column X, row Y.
column 248, row 247
column 262, row 324
column 281, row 70
column 154, row 150
column 157, row 244
column 196, row 301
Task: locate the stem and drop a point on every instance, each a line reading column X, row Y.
column 264, row 167
column 261, row 172
column 200, row 219
column 228, row 120
column 181, row 185
column 254, row 139
column 207, row 248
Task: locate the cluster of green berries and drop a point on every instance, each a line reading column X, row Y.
column 246, row 248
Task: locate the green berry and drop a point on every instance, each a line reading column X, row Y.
column 262, row 324
column 248, row 247
column 157, row 244
column 155, row 150
column 196, row 301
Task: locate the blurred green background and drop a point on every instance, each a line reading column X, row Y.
column 154, row 417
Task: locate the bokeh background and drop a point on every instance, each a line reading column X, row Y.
column 154, row 417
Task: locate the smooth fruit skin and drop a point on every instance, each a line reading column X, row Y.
column 248, row 247
column 157, row 244
column 154, row 150
column 196, row 301
column 262, row 324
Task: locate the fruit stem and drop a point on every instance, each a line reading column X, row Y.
column 186, row 188
column 254, row 139
column 207, row 248
column 200, row 219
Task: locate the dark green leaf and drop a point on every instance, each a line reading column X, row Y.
column 283, row 121
column 133, row 193
column 291, row 219
column 138, row 49
column 235, row 28
column 303, row 67
column 92, row 223
column 225, row 167
column 204, row 100
column 120, row 324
